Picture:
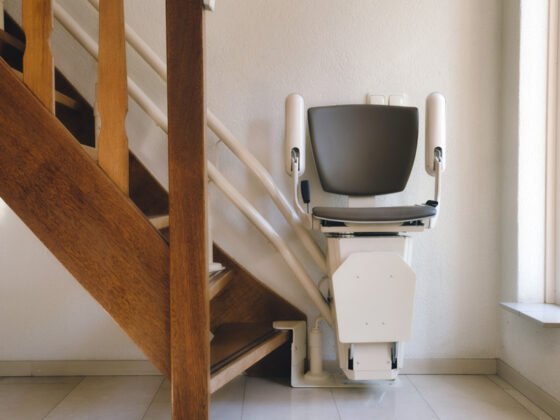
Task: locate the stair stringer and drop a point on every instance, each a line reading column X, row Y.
column 94, row 230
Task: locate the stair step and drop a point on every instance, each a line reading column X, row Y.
column 237, row 347
column 11, row 40
column 91, row 151
column 60, row 98
column 218, row 282
column 160, row 222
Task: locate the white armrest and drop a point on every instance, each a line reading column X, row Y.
column 435, row 143
column 435, row 139
column 295, row 149
column 295, row 133
column 435, row 132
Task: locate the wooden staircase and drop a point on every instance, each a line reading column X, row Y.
column 119, row 246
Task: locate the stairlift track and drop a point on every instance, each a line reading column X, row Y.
column 371, row 283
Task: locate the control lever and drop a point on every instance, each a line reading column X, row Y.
column 305, row 193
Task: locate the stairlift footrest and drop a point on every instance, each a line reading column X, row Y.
column 298, row 355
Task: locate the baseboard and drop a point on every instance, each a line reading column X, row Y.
column 538, row 396
column 449, row 367
column 144, row 367
column 77, row 368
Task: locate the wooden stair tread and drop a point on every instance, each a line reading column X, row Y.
column 160, row 222
column 11, row 40
column 60, row 98
column 218, row 282
column 238, row 346
column 91, row 151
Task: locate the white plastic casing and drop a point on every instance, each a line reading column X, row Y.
column 435, row 130
column 377, row 100
column 295, row 131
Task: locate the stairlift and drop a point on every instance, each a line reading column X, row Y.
column 362, row 151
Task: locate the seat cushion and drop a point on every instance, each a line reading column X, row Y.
column 374, row 214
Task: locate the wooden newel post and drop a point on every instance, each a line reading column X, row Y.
column 190, row 347
column 112, row 93
column 38, row 67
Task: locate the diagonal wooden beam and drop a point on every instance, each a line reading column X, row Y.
column 95, row 231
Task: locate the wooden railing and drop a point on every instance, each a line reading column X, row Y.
column 189, row 305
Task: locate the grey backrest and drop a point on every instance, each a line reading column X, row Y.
column 363, row 149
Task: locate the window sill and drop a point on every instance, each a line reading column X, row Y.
column 545, row 314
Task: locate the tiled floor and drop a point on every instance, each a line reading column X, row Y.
column 147, row 398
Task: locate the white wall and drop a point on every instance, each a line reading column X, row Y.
column 44, row 313
column 261, row 51
column 524, row 345
column 330, row 52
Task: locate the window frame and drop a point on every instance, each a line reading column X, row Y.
column 552, row 216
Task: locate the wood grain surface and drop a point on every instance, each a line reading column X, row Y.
column 38, row 65
column 96, row 232
column 112, row 93
column 190, row 350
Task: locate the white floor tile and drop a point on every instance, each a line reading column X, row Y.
column 227, row 403
column 108, row 397
column 520, row 398
column 33, row 398
column 148, row 397
column 276, row 400
column 468, row 397
column 398, row 400
column 160, row 407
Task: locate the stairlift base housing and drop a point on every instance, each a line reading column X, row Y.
column 372, row 288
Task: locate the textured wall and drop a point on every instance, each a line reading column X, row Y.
column 330, row 51
column 261, row 51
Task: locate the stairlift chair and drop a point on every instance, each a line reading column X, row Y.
column 362, row 151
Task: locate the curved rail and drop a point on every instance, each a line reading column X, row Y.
column 218, row 128
column 262, row 224
column 235, row 146
column 266, row 180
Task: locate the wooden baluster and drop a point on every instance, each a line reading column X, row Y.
column 190, row 349
column 112, row 93
column 38, row 67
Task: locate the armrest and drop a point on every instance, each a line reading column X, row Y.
column 435, row 143
column 295, row 149
column 295, row 134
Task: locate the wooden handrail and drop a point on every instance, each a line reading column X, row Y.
column 112, row 93
column 190, row 347
column 38, row 67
